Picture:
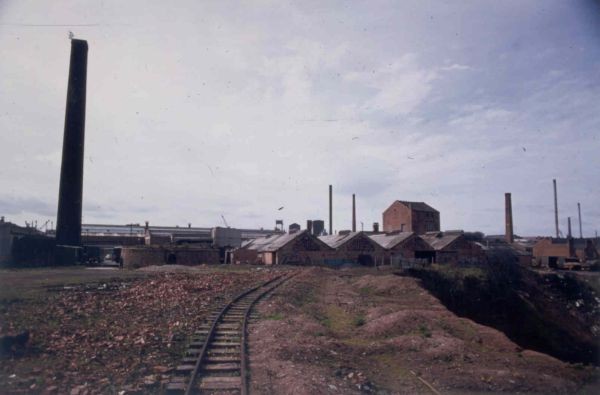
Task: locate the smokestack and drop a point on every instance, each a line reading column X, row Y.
column 579, row 211
column 509, row 235
column 68, row 223
column 353, row 213
column 309, row 226
column 555, row 208
column 569, row 226
column 330, row 209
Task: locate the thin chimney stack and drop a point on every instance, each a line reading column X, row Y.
column 569, row 227
column 353, row 213
column 509, row 235
column 330, row 209
column 555, row 208
column 580, row 229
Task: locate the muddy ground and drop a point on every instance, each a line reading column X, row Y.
column 361, row 331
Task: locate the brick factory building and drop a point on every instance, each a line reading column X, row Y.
column 354, row 247
column 404, row 246
column 299, row 248
column 416, row 217
column 453, row 247
column 550, row 252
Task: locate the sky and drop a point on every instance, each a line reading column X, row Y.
column 198, row 109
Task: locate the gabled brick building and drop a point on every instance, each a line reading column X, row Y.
column 416, row 217
column 355, row 247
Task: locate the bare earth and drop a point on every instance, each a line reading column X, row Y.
column 361, row 331
column 122, row 332
column 325, row 331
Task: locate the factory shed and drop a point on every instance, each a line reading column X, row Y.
column 354, row 247
column 299, row 248
column 453, row 247
column 551, row 252
column 404, row 246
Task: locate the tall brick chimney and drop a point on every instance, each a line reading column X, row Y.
column 353, row 213
column 330, row 209
column 555, row 208
column 569, row 234
column 509, row 234
column 68, row 223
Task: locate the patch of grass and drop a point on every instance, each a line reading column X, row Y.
column 366, row 291
column 275, row 317
column 359, row 320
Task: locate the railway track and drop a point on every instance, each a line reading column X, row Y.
column 216, row 360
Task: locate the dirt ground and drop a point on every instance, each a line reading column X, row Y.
column 326, row 331
column 100, row 331
column 366, row 331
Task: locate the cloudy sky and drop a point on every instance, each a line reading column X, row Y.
column 201, row 109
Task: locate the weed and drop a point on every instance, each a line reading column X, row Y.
column 275, row 317
column 424, row 331
column 359, row 320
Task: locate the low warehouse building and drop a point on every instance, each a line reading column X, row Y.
column 299, row 248
column 453, row 247
column 354, row 247
column 403, row 246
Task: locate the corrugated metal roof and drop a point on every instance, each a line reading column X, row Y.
column 440, row 240
column 335, row 241
column 275, row 242
column 390, row 240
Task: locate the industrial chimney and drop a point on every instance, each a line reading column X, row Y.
column 580, row 230
column 555, row 208
column 509, row 235
column 353, row 213
column 330, row 209
column 68, row 224
column 569, row 227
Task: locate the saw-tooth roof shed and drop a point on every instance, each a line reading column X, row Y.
column 391, row 240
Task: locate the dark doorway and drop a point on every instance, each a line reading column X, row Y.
column 428, row 255
column 171, row 259
column 366, row 260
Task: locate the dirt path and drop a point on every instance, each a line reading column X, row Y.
column 360, row 331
